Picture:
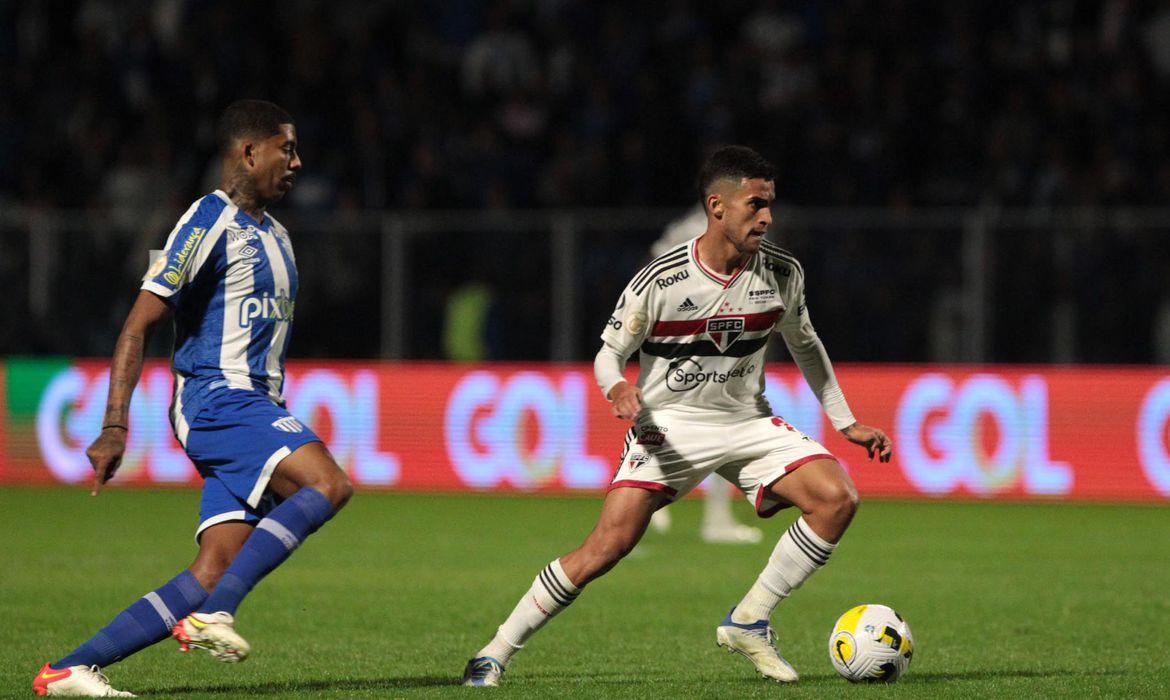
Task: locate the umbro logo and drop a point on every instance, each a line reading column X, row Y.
column 288, row 424
column 687, row 305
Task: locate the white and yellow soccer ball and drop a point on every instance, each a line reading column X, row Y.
column 871, row 643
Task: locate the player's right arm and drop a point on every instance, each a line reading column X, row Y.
column 188, row 248
column 624, row 332
column 625, row 398
column 105, row 453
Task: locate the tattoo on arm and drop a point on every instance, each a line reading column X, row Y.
column 125, row 370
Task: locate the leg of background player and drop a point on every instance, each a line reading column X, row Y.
column 661, row 521
column 314, row 488
column 719, row 525
column 624, row 517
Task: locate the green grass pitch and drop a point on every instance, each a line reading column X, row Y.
column 391, row 599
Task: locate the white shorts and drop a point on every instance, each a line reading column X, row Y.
column 672, row 455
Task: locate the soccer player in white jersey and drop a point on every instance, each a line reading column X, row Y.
column 228, row 277
column 702, row 315
column 718, row 525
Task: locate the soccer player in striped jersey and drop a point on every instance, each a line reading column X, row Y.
column 228, row 278
column 701, row 316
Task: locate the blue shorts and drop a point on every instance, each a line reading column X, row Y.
column 236, row 441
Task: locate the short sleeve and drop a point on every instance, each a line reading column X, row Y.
column 628, row 324
column 186, row 251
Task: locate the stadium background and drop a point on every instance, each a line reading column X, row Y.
column 977, row 191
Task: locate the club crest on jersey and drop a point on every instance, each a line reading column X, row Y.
column 288, row 424
column 637, row 459
column 724, row 331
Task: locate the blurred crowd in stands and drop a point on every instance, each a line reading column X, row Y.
column 109, row 105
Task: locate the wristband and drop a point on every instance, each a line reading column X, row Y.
column 115, row 425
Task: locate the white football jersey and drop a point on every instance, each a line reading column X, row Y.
column 703, row 336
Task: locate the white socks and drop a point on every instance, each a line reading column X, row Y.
column 551, row 592
column 797, row 555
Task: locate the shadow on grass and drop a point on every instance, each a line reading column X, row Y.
column 988, row 674
column 286, row 687
column 912, row 677
column 375, row 684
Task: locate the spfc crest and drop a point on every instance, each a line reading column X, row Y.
column 723, row 331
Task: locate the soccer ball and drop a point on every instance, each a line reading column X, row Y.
column 871, row 643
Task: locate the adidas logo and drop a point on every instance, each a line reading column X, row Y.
column 687, row 305
column 288, row 424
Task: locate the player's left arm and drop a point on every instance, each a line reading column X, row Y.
column 810, row 355
column 874, row 440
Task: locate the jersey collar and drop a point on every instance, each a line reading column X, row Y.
column 263, row 225
column 720, row 280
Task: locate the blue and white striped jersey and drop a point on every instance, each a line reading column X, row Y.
column 231, row 282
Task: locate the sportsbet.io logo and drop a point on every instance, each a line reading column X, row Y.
column 688, row 374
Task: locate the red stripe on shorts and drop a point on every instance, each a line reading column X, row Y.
column 648, row 485
column 772, row 510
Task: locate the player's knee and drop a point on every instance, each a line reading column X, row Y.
column 337, row 488
column 210, row 565
column 841, row 500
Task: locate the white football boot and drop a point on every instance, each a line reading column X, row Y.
column 731, row 533
column 756, row 641
column 76, row 682
column 215, row 633
column 483, row 671
column 719, row 524
column 660, row 521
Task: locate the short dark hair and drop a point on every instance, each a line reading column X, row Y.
column 247, row 118
column 734, row 163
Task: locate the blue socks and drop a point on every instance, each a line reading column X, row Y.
column 147, row 621
column 151, row 617
column 273, row 540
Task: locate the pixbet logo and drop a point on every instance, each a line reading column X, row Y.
column 522, row 430
column 280, row 308
column 981, row 434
